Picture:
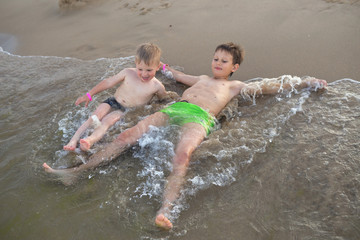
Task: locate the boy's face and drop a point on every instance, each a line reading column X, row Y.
column 222, row 64
column 146, row 72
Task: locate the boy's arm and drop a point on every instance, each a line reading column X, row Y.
column 274, row 86
column 101, row 86
column 182, row 77
column 162, row 94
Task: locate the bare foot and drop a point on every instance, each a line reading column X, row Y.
column 323, row 82
column 85, row 144
column 67, row 176
column 70, row 146
column 318, row 83
column 163, row 222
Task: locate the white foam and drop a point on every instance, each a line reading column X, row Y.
column 155, row 153
column 343, row 80
column 168, row 74
column 96, row 122
column 256, row 85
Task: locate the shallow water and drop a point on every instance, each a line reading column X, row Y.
column 284, row 167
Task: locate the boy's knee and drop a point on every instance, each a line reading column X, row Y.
column 127, row 137
column 111, row 119
column 95, row 121
column 123, row 136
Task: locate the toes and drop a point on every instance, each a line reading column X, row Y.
column 163, row 222
column 47, row 168
column 69, row 148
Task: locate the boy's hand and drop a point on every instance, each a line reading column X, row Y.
column 82, row 99
column 173, row 95
column 318, row 84
column 162, row 65
column 164, row 70
column 169, row 96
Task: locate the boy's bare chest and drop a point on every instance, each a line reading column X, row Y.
column 137, row 87
column 209, row 95
column 213, row 88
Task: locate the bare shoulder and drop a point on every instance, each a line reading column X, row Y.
column 205, row 77
column 125, row 73
column 237, row 84
column 128, row 71
column 188, row 80
column 202, row 78
column 157, row 82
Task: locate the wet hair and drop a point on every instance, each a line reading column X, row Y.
column 236, row 51
column 149, row 53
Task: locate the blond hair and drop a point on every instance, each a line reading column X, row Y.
column 149, row 53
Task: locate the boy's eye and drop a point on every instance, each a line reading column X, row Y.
column 224, row 61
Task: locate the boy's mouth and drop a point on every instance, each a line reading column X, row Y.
column 218, row 68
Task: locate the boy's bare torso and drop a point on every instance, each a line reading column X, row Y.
column 134, row 92
column 212, row 94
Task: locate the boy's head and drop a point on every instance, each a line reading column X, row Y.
column 149, row 53
column 236, row 51
column 147, row 61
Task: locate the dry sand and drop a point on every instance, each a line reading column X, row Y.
column 299, row 37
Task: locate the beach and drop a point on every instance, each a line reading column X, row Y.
column 308, row 37
column 284, row 166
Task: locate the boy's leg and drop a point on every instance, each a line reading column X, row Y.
column 100, row 112
column 113, row 149
column 191, row 137
column 126, row 139
column 107, row 121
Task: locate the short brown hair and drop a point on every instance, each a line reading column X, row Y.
column 236, row 51
column 149, row 53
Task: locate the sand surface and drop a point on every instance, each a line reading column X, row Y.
column 298, row 37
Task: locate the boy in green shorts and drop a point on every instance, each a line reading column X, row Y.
column 200, row 103
column 184, row 112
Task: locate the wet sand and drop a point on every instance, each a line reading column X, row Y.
column 298, row 37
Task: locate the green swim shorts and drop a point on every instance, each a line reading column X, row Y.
column 184, row 112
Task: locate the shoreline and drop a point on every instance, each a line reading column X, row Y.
column 309, row 37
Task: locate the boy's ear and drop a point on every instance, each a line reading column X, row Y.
column 235, row 67
column 159, row 66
